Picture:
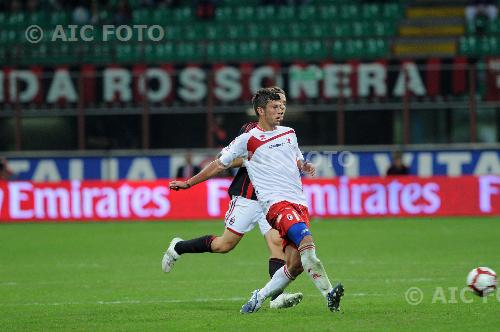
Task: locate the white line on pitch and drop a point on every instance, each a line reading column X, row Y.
column 230, row 299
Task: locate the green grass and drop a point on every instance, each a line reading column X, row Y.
column 107, row 277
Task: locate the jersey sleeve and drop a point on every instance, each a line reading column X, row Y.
column 298, row 153
column 237, row 148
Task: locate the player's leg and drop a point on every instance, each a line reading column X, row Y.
column 293, row 224
column 225, row 243
column 279, row 300
column 237, row 222
column 280, row 280
column 276, row 255
column 299, row 234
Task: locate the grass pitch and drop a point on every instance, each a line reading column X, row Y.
column 107, row 277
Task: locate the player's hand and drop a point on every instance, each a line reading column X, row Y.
column 309, row 169
column 178, row 185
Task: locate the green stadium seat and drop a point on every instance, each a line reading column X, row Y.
column 173, row 32
column 228, row 50
column 62, row 53
column 16, row 19
column 307, row 13
column 213, row 31
column 313, row 49
column 40, row 18
column 278, row 31
column 188, row 51
column 329, row 12
column 245, row 13
column 124, row 53
column 358, row 29
column 370, row 12
column 495, row 26
column 338, row 49
column 10, row 36
column 285, row 13
column 301, row 29
column 59, row 17
column 349, row 12
column 391, row 11
column 355, row 48
column 467, row 45
column 264, row 13
column 257, row 31
column 183, row 14
column 340, row 29
column 376, row 47
column 235, row 31
column 224, row 14
column 250, row 50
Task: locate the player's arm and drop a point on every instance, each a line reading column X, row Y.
column 303, row 165
column 225, row 160
column 209, row 171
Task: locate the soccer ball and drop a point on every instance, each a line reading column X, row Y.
column 482, row 281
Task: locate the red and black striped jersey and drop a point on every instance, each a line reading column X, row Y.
column 242, row 186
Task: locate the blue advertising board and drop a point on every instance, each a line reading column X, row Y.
column 90, row 168
column 422, row 163
column 328, row 164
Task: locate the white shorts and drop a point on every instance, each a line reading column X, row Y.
column 243, row 214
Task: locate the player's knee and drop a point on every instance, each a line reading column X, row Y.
column 309, row 258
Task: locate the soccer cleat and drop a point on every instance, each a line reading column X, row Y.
column 285, row 300
column 253, row 304
column 170, row 256
column 333, row 298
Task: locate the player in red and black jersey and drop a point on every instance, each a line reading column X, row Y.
column 243, row 214
column 241, row 185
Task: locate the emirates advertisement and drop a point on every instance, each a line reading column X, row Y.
column 24, row 201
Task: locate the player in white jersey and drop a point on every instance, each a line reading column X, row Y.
column 274, row 162
column 243, row 215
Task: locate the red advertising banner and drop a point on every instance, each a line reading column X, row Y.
column 340, row 197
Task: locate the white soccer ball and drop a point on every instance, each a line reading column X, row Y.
column 482, row 281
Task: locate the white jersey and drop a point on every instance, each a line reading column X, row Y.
column 271, row 161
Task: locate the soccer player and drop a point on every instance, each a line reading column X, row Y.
column 243, row 214
column 274, row 162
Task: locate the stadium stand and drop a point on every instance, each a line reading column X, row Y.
column 239, row 31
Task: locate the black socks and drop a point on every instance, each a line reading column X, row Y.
column 198, row 245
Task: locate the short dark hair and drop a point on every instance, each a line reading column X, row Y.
column 276, row 89
column 262, row 97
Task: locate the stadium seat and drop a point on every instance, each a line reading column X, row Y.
column 349, row 12
column 285, row 13
column 264, row 13
column 16, row 19
column 249, row 50
column 313, row 49
column 40, row 18
column 307, row 13
column 224, row 13
column 370, row 12
column 59, row 17
column 329, row 12
column 245, row 13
